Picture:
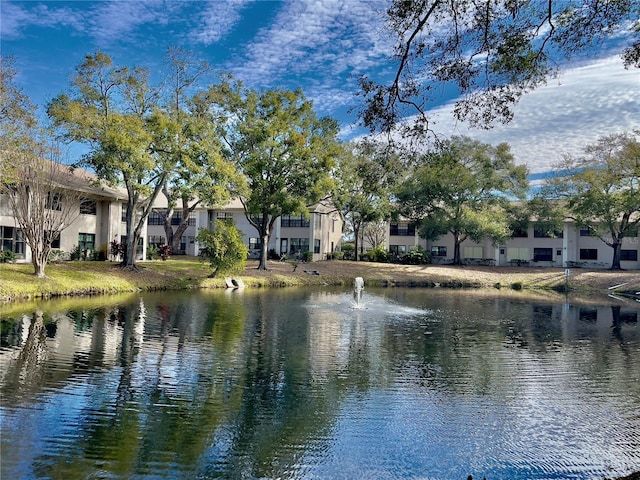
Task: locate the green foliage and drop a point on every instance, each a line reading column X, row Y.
column 379, row 255
column 600, row 190
column 224, row 248
column 152, row 252
column 348, row 251
column 308, row 256
column 417, row 256
column 492, row 52
column 284, row 151
column 364, row 179
column 463, row 187
column 7, row 256
column 76, row 253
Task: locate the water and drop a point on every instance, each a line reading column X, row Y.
column 299, row 384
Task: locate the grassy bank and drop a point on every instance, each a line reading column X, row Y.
column 90, row 278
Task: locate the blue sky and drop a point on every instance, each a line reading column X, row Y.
column 320, row 46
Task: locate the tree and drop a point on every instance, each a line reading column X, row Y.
column 493, row 52
column 188, row 141
column 114, row 112
column 36, row 188
column 463, row 188
column 284, row 151
column 364, row 177
column 42, row 199
column 223, row 247
column 601, row 190
column 375, row 233
column 18, row 124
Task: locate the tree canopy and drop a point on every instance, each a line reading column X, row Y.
column 284, row 151
column 463, row 187
column 365, row 175
column 492, row 52
column 600, row 190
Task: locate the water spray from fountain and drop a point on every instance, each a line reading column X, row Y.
column 358, row 286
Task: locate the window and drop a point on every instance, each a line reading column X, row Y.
column 11, row 239
column 520, row 233
column 521, row 253
column 403, row 230
column 588, row 254
column 294, row 221
column 437, row 251
column 54, row 201
column 298, row 245
column 542, row 254
column 254, row 243
column 558, row 252
column 88, row 207
column 5, row 206
column 53, row 237
column 86, row 241
column 155, row 218
column 223, row 217
column 586, row 232
column 176, row 218
column 631, row 255
column 139, row 247
column 156, row 240
column 316, row 246
column 397, row 249
column 123, row 212
column 473, row 252
column 6, row 238
column 540, row 232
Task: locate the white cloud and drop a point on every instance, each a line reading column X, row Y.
column 16, row 19
column 566, row 115
column 119, row 20
column 217, row 20
column 321, row 38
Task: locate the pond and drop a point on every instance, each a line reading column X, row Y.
column 304, row 383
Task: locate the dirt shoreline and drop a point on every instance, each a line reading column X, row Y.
column 382, row 274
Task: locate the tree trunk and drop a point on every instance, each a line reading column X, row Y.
column 356, row 231
column 457, row 259
column 168, row 229
column 264, row 248
column 617, row 251
column 38, row 266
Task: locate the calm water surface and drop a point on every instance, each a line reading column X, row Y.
column 304, row 384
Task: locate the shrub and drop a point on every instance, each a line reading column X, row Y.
column 223, row 248
column 7, row 256
column 417, row 256
column 76, row 253
column 57, row 256
column 377, row 255
column 308, row 256
column 152, row 252
column 164, row 251
column 348, row 251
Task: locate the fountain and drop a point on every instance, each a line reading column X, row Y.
column 357, row 290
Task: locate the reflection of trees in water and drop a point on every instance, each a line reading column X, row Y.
column 25, row 375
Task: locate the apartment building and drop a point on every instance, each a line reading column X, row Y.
column 102, row 215
column 99, row 220
column 571, row 246
column 293, row 235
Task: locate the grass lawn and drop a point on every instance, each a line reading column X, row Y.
column 83, row 278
